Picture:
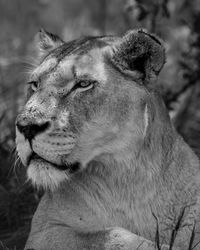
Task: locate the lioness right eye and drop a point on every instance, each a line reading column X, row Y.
column 34, row 85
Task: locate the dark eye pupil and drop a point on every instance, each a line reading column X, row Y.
column 35, row 84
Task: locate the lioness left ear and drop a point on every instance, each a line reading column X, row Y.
column 47, row 42
column 140, row 52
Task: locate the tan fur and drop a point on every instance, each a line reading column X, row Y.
column 133, row 165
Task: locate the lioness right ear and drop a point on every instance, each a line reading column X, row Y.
column 140, row 52
column 47, row 42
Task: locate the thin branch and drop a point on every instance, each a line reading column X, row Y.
column 192, row 237
column 157, row 236
column 176, row 229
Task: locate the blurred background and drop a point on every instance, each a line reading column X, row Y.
column 177, row 22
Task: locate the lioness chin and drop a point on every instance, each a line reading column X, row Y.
column 96, row 135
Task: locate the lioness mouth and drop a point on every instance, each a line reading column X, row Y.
column 73, row 167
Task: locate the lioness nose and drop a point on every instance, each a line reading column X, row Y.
column 31, row 130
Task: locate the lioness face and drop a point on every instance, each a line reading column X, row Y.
column 80, row 106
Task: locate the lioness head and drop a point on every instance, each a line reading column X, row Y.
column 86, row 98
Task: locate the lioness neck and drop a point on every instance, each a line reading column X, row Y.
column 112, row 192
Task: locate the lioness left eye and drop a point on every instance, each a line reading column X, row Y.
column 84, row 84
column 34, row 85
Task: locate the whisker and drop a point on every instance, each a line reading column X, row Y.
column 30, row 64
column 15, row 165
column 11, row 169
column 26, row 182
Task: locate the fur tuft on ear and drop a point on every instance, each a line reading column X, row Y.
column 140, row 51
column 47, row 42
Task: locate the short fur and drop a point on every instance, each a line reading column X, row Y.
column 107, row 154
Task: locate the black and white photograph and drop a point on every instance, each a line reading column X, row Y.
column 99, row 124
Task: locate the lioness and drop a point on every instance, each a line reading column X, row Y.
column 96, row 135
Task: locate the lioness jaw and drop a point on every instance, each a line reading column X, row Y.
column 96, row 135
